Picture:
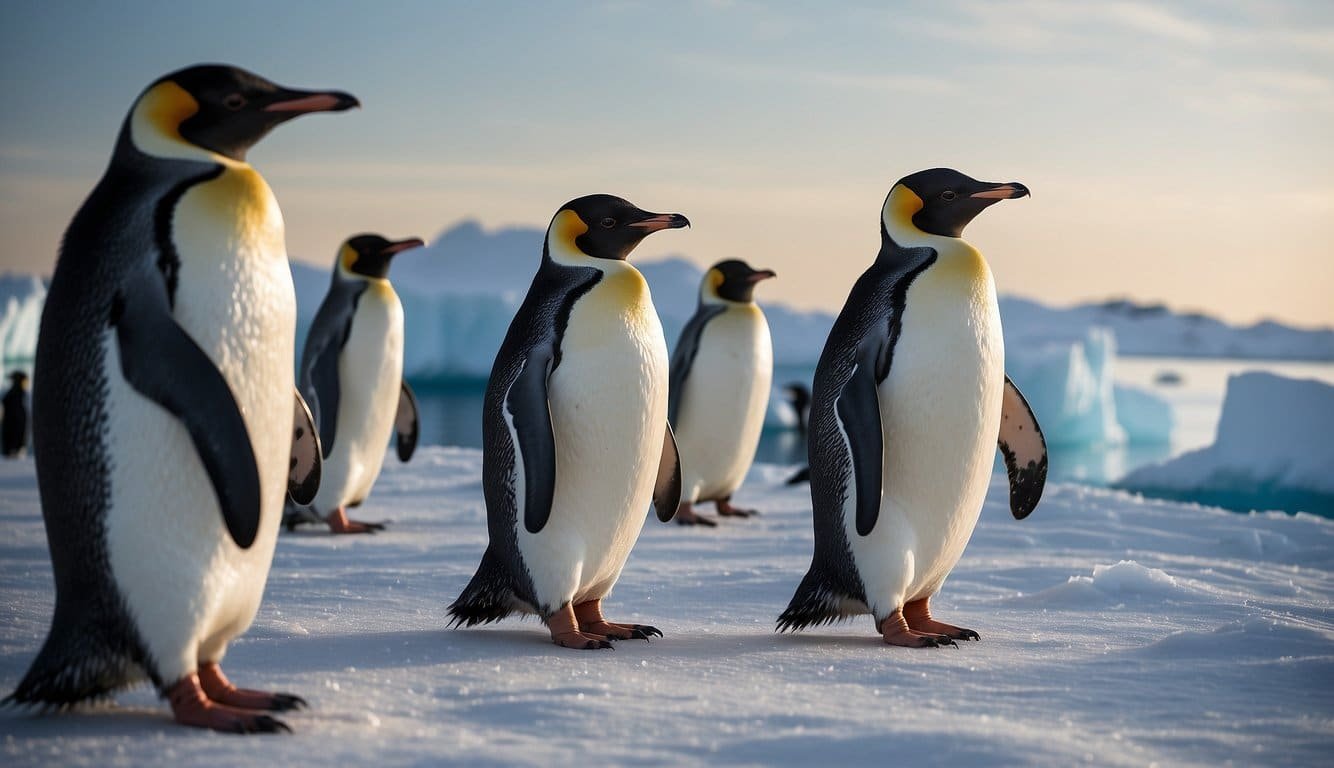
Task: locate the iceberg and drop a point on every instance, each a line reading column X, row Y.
column 1071, row 389
column 22, row 297
column 1272, row 450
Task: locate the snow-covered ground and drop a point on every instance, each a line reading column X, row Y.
column 1116, row 631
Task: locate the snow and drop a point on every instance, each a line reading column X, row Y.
column 1115, row 630
column 1273, row 442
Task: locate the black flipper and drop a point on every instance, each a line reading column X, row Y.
column 160, row 360
column 407, row 424
column 683, row 357
column 535, row 442
column 667, row 488
column 1025, row 451
column 303, row 478
column 328, row 334
column 859, row 415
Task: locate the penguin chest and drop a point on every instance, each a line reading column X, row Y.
column 723, row 403
column 370, row 376
column 608, row 400
column 940, row 416
column 182, row 575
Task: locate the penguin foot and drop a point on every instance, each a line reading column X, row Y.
column 565, row 632
column 685, row 515
column 339, row 523
column 895, row 631
column 221, row 691
column 918, row 615
column 589, row 616
column 191, row 706
column 725, row 509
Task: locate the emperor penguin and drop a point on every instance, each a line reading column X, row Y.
column 575, row 438
column 352, row 377
column 14, row 426
column 909, row 403
column 164, row 410
column 721, row 371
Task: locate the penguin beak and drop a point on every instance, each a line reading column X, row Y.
column 1008, row 191
column 403, row 245
column 295, row 103
column 761, row 274
column 658, row 221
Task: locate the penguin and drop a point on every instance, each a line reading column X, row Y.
column 720, row 376
column 352, row 377
column 14, row 432
column 909, row 401
column 166, row 422
column 798, row 395
column 575, row 440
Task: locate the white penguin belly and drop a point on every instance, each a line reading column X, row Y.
column 187, row 584
column 608, row 402
column 723, row 405
column 940, row 415
column 370, row 376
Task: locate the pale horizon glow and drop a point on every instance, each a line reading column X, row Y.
column 1177, row 152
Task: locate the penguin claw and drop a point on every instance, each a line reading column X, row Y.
column 264, row 724
column 286, row 702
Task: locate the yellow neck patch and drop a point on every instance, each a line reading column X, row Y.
column 901, row 205
column 346, row 258
column 166, row 106
column 565, row 229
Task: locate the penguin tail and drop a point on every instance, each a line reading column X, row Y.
column 73, row 667
column 487, row 598
column 817, row 601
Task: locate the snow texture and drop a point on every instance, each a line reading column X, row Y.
column 1115, row 631
column 1273, row 441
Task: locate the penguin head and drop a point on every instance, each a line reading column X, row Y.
column 733, row 280
column 221, row 109
column 19, row 379
column 941, row 201
column 606, row 226
column 369, row 255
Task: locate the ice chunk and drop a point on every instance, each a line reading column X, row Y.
column 1273, row 449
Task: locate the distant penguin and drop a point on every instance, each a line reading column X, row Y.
column 574, row 431
column 720, row 375
column 910, row 400
column 352, row 376
column 14, row 432
column 798, row 395
column 164, row 402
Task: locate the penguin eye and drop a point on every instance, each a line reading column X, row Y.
column 947, row 195
column 608, row 223
column 234, row 101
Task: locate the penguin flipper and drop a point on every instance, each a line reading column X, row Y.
column 1025, row 451
column 160, row 360
column 303, row 477
column 529, row 417
column 667, row 488
column 407, row 424
column 687, row 347
column 858, row 409
column 329, row 332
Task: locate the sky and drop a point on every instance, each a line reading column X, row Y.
column 1176, row 151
